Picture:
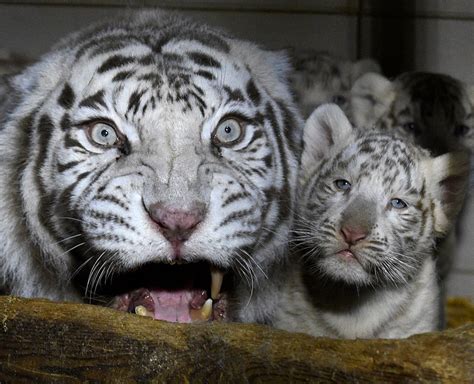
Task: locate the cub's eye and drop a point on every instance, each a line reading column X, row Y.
column 461, row 130
column 398, row 203
column 228, row 132
column 411, row 127
column 343, row 185
column 339, row 99
column 103, row 134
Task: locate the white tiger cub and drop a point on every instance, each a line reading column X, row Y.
column 434, row 110
column 320, row 78
column 151, row 160
column 370, row 208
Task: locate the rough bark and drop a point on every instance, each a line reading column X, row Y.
column 41, row 341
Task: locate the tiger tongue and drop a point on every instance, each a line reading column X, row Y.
column 175, row 305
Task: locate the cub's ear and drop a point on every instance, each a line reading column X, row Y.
column 448, row 176
column 327, row 128
column 371, row 96
column 363, row 66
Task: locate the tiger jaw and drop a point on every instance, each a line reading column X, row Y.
column 183, row 303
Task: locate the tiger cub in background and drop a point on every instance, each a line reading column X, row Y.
column 371, row 206
column 320, row 78
column 434, row 110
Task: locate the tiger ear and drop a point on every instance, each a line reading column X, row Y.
column 42, row 76
column 327, row 128
column 448, row 176
column 370, row 97
column 271, row 68
column 363, row 66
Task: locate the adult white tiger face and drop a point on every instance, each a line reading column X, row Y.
column 372, row 205
column 161, row 151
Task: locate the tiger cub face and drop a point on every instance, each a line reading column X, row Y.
column 161, row 157
column 371, row 205
column 320, row 78
column 435, row 111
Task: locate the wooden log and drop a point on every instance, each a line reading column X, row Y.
column 46, row 342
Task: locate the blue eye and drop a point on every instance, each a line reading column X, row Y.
column 398, row 203
column 342, row 184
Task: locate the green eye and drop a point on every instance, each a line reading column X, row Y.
column 398, row 203
column 343, row 185
column 103, row 134
column 228, row 132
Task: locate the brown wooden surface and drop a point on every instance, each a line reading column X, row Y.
column 47, row 342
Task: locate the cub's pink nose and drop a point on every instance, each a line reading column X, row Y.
column 176, row 225
column 353, row 235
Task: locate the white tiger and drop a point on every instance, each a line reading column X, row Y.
column 370, row 208
column 143, row 156
column 434, row 110
column 321, row 78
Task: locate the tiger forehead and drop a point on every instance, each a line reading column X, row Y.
column 139, row 83
column 430, row 96
column 382, row 158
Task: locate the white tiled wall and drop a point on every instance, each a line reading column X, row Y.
column 442, row 41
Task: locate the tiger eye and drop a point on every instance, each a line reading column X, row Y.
column 103, row 134
column 228, row 132
column 342, row 184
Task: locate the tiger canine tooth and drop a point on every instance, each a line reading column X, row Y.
column 140, row 310
column 204, row 313
column 217, row 277
column 206, row 309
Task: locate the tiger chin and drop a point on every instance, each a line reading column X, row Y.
column 149, row 164
column 370, row 208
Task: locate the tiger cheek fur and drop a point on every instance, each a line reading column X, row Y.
column 144, row 146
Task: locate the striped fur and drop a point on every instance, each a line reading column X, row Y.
column 164, row 83
column 322, row 78
column 388, row 286
column 435, row 111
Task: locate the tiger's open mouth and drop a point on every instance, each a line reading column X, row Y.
column 182, row 293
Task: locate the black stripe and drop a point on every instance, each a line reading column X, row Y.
column 94, row 101
column 69, row 142
column 123, row 75
column 134, row 101
column 89, row 187
column 114, row 62
column 204, row 59
column 253, row 93
column 67, row 97
column 65, row 122
column 291, row 129
column 205, row 74
column 235, row 197
column 64, row 167
column 113, row 200
column 236, row 216
column 234, row 94
column 110, row 217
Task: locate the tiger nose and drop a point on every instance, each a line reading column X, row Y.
column 353, row 235
column 175, row 224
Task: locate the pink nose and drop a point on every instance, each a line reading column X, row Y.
column 176, row 225
column 353, row 235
